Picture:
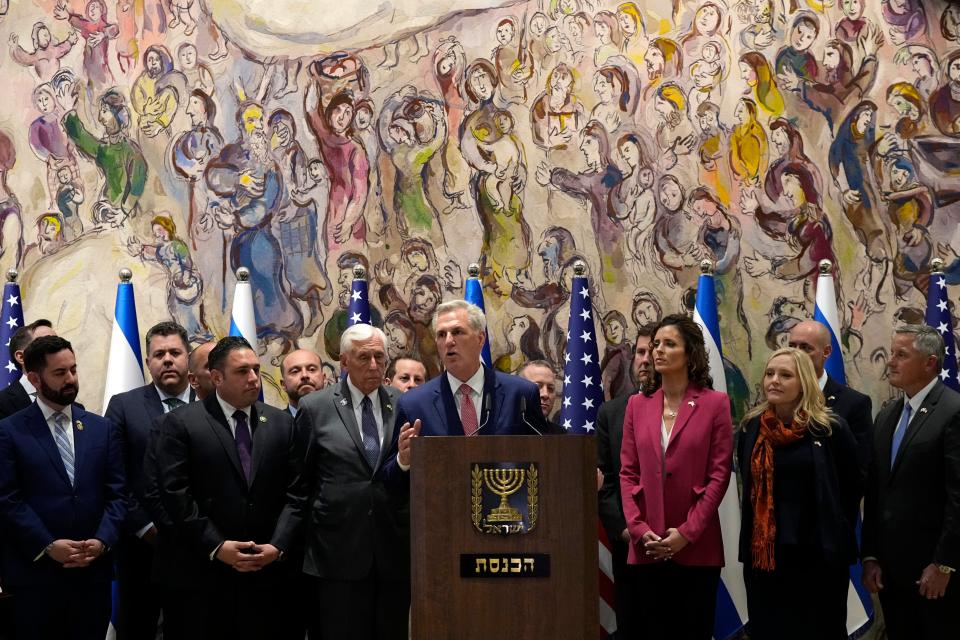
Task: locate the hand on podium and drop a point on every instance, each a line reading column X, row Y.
column 407, row 432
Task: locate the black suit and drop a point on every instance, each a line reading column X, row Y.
column 358, row 535
column 857, row 411
column 209, row 500
column 13, row 399
column 609, row 438
column 138, row 600
column 912, row 514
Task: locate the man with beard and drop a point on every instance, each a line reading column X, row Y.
column 156, row 92
column 250, row 186
column 119, row 159
column 609, row 436
column 230, row 479
column 62, row 503
column 337, row 323
column 133, row 412
column 20, row 394
column 301, row 374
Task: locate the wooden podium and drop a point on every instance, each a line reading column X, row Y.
column 467, row 583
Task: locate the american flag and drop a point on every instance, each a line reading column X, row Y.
column 582, row 395
column 359, row 311
column 937, row 316
column 12, row 319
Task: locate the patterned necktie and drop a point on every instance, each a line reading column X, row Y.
column 173, row 403
column 60, row 426
column 371, row 436
column 244, row 441
column 468, row 412
column 898, row 434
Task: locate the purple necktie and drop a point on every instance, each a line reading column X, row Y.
column 244, row 442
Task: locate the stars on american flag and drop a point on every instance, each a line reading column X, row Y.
column 582, row 392
column 938, row 316
column 11, row 319
column 359, row 311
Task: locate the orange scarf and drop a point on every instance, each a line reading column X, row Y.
column 773, row 433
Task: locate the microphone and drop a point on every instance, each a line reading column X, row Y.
column 486, row 411
column 523, row 415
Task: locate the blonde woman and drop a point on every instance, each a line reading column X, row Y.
column 801, row 493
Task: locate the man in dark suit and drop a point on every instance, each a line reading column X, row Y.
column 468, row 398
column 911, row 519
column 230, row 479
column 358, row 535
column 813, row 338
column 62, row 503
column 301, row 373
column 609, row 437
column 542, row 374
column 133, row 412
column 20, row 395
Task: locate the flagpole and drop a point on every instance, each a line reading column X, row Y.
column 825, row 312
column 473, row 292
column 125, row 360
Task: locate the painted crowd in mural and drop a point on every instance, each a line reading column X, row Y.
column 641, row 137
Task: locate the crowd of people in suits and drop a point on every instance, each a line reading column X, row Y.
column 223, row 517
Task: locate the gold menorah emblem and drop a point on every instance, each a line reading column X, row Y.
column 504, row 483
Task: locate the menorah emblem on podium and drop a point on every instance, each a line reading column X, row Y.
column 504, row 483
column 492, row 486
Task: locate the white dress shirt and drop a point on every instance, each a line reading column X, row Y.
column 356, row 397
column 28, row 387
column 476, row 391
column 228, row 410
column 48, row 413
column 917, row 400
column 823, row 380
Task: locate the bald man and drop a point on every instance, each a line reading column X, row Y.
column 302, row 373
column 198, row 373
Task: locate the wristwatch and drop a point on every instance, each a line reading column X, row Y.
column 942, row 568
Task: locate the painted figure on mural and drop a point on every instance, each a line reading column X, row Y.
column 69, row 198
column 197, row 73
column 617, row 356
column 557, row 113
column 119, row 159
column 297, row 223
column 128, row 13
column 11, row 220
column 945, row 101
column 449, row 64
column 184, row 285
column 250, row 188
column 45, row 57
column 156, row 93
column 514, row 62
column 522, row 337
column 337, row 323
column 49, row 141
column 97, row 33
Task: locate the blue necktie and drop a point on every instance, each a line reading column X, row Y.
column 371, row 437
column 244, row 441
column 898, row 434
column 63, row 442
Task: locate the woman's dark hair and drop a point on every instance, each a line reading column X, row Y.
column 698, row 365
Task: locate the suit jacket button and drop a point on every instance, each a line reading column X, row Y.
column 370, row 512
column 669, row 474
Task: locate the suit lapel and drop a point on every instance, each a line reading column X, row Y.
column 41, row 431
column 260, row 436
column 916, row 423
column 494, row 388
column 80, row 438
column 688, row 406
column 653, row 424
column 221, row 429
column 831, row 390
column 153, row 402
column 446, row 408
column 344, row 403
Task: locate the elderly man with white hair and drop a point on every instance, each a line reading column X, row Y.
column 358, row 528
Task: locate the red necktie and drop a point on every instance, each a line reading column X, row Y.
column 468, row 412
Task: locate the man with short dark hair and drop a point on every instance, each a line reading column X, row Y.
column 230, row 478
column 405, row 372
column 20, row 394
column 358, row 536
column 301, row 374
column 609, row 437
column 133, row 412
column 911, row 515
column 62, row 503
column 542, row 374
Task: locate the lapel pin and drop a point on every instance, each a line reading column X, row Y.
column 832, row 398
column 263, row 418
column 692, row 403
column 923, row 409
column 79, row 425
column 389, row 408
column 343, row 402
column 817, row 442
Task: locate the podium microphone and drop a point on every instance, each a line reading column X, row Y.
column 523, row 415
column 486, row 411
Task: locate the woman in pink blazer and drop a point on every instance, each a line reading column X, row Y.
column 675, row 468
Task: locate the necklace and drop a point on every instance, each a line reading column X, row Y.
column 670, row 413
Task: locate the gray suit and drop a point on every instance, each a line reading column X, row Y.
column 358, row 526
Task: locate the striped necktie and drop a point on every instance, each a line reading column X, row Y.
column 60, row 426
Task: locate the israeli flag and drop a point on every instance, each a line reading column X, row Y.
column 731, row 612
column 243, row 320
column 125, row 363
column 825, row 312
column 859, row 605
column 473, row 293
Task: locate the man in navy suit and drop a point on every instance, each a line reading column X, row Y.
column 133, row 412
column 21, row 393
column 469, row 398
column 302, row 373
column 62, row 503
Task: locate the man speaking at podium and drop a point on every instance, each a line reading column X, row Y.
column 468, row 398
